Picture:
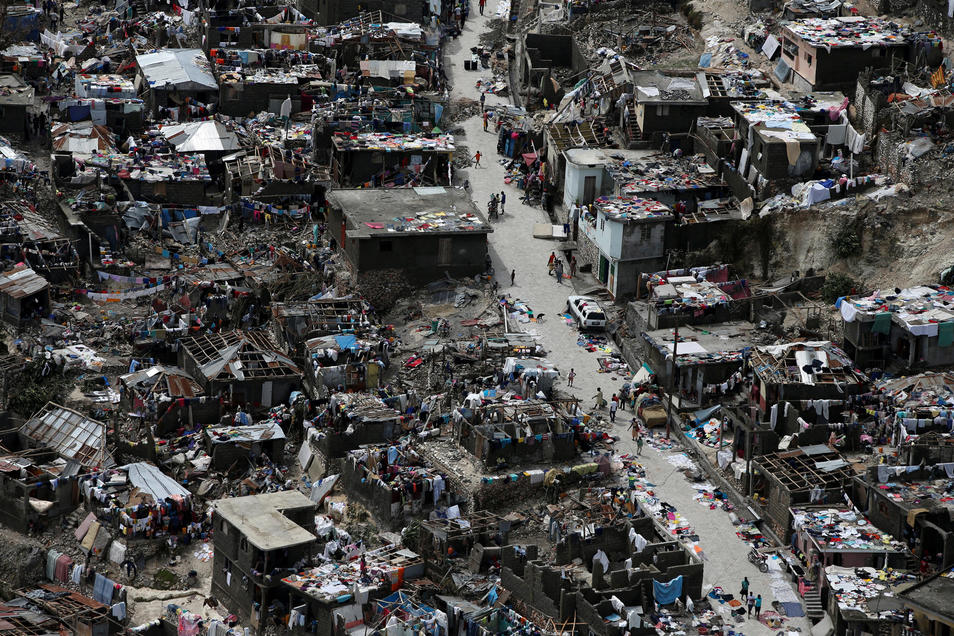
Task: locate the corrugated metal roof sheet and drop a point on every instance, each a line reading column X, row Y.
column 71, row 434
column 149, row 479
column 22, row 283
column 184, row 69
column 201, row 136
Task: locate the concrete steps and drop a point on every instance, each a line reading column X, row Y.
column 813, row 605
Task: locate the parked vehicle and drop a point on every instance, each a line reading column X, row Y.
column 587, row 312
column 759, row 560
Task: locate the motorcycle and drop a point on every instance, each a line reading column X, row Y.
column 759, row 560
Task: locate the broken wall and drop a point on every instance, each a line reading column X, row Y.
column 538, row 585
column 868, row 104
column 373, row 494
column 334, row 445
column 17, row 513
column 480, row 443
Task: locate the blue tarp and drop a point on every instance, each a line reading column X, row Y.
column 401, row 600
column 171, row 215
column 347, row 341
column 78, row 113
column 393, row 602
column 667, row 593
column 705, row 414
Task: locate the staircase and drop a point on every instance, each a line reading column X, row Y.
column 813, row 604
column 139, row 7
column 631, row 129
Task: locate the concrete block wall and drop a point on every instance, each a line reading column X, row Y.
column 868, row 104
column 540, row 586
column 890, row 159
column 614, row 541
column 369, row 492
column 591, row 607
column 515, row 454
column 454, row 481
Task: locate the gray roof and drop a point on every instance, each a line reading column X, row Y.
column 260, row 518
column 183, row 69
column 932, row 595
column 152, row 481
column 408, row 211
column 14, row 91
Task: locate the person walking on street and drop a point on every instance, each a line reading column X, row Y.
column 486, row 114
column 758, row 606
column 503, row 200
column 614, row 405
column 558, row 271
column 600, row 402
column 751, row 603
column 483, row 99
column 477, row 157
column 623, row 397
column 745, row 588
column 570, row 377
column 481, row 6
column 639, row 445
column 551, row 263
column 572, row 266
column 513, row 275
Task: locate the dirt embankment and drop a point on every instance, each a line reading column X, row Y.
column 898, row 243
column 22, row 561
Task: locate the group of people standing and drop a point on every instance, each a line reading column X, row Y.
column 751, row 600
column 555, row 267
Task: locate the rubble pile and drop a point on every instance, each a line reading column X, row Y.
column 269, row 364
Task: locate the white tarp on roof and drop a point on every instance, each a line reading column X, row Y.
column 201, row 136
column 408, row 30
column 389, row 68
column 183, row 69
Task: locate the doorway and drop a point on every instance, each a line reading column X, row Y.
column 589, row 189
